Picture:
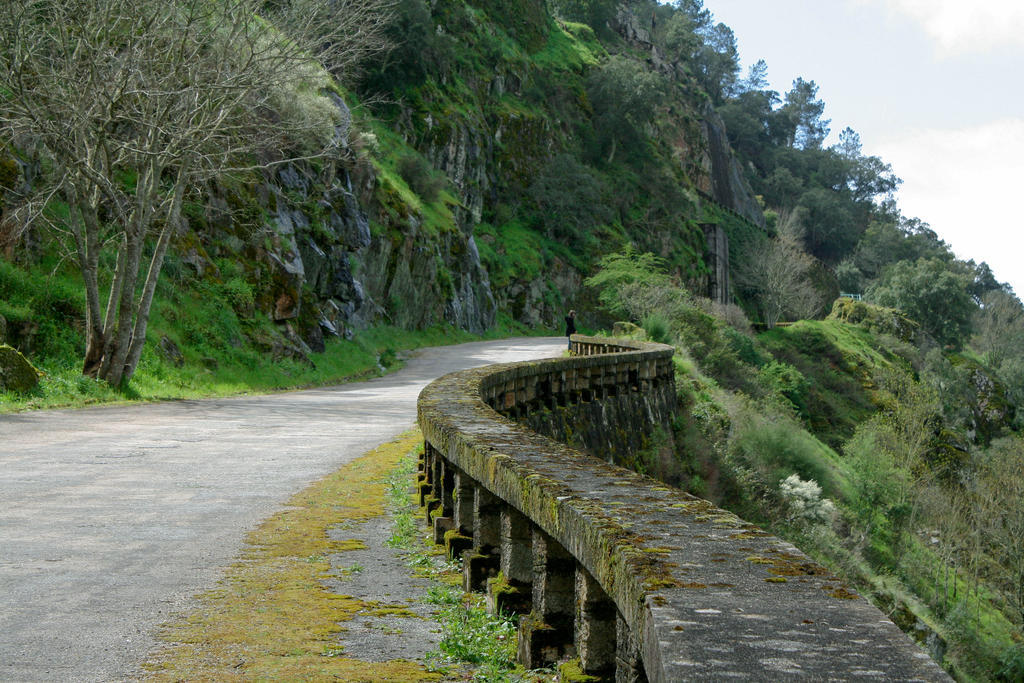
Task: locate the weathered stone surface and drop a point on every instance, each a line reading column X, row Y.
column 16, row 373
column 628, row 330
column 702, row 593
column 516, row 547
column 170, row 351
column 717, row 258
column 613, row 428
column 596, row 619
column 729, row 187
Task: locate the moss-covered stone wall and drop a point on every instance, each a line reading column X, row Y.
column 702, row 593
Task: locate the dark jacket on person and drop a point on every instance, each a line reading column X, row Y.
column 570, row 325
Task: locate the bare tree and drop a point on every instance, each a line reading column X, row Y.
column 779, row 274
column 999, row 326
column 137, row 103
column 1000, row 485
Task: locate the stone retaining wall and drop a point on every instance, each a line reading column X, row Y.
column 639, row 580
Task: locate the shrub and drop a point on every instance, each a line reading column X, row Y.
column 657, row 328
column 785, row 381
column 421, row 177
column 240, row 294
column 744, row 347
column 732, row 315
column 1011, row 664
column 775, row 447
column 805, row 501
column 874, row 318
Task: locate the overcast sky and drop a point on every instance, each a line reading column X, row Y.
column 934, row 87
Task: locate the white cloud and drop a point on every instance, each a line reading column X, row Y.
column 964, row 27
column 968, row 184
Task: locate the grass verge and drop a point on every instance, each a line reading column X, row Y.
column 371, row 353
column 204, row 339
column 271, row 616
column 475, row 644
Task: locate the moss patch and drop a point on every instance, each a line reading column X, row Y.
column 271, row 617
column 16, row 373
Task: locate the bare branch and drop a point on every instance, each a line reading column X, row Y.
column 138, row 102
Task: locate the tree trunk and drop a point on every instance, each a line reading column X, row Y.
column 145, row 189
column 172, row 223
column 85, row 227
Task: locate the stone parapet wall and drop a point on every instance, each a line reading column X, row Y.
column 639, row 580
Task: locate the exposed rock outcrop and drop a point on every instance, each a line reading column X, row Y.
column 728, row 185
column 16, row 373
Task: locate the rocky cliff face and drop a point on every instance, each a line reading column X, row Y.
column 718, row 172
column 728, row 187
column 349, row 277
column 345, row 248
column 327, row 259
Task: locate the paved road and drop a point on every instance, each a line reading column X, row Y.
column 112, row 518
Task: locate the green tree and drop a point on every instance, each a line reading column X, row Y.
column 677, row 35
column 832, row 231
column 999, row 327
column 628, row 283
column 933, row 293
column 865, row 177
column 748, row 118
column 890, row 239
column 569, row 198
column 716, row 62
column 756, row 80
column 137, row 104
column 625, row 96
column 782, row 189
column 804, row 111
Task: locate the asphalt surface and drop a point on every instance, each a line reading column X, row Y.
column 111, row 519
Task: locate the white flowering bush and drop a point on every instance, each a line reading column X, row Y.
column 805, row 501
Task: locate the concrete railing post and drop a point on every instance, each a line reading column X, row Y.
column 483, row 561
column 546, row 634
column 629, row 666
column 596, row 619
column 513, row 590
column 459, row 537
column 442, row 518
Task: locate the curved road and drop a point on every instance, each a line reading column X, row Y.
column 112, row 518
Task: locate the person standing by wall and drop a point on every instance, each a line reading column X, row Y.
column 570, row 326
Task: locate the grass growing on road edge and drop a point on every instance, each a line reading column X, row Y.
column 471, row 635
column 271, row 616
column 230, row 371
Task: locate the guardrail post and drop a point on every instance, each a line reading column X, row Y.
column 629, row 665
column 596, row 626
column 460, row 537
column 512, row 591
column 546, row 634
column 443, row 519
column 430, row 498
column 482, row 562
column 428, row 478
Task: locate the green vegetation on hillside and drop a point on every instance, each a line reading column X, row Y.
column 891, row 461
column 491, row 159
column 208, row 341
